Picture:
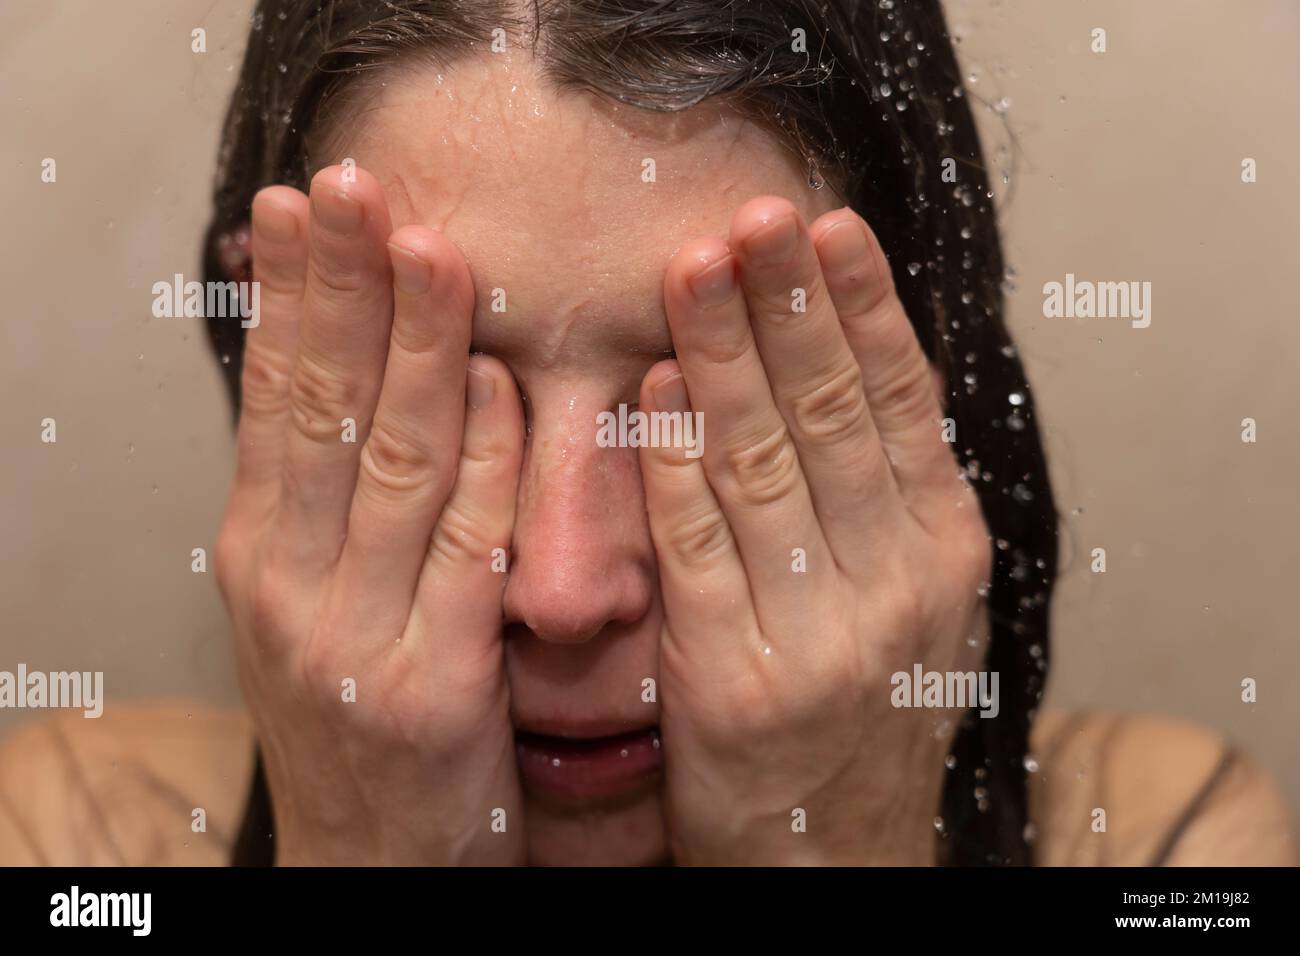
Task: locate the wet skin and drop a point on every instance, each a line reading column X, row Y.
column 374, row 561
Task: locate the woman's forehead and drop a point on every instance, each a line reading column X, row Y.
column 569, row 204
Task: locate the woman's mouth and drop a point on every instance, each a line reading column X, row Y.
column 587, row 769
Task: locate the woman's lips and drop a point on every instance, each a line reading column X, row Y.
column 583, row 770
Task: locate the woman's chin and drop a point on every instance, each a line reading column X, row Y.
column 622, row 832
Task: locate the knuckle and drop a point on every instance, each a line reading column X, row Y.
column 905, row 611
column 834, row 412
column 487, row 451
column 394, row 461
column 227, row 561
column 279, row 282
column 320, row 398
column 264, row 389
column 319, row 675
column 727, row 343
column 700, row 541
column 339, row 277
column 462, row 536
column 904, row 392
column 773, row 298
column 757, row 708
column 269, row 617
column 974, row 557
column 764, row 471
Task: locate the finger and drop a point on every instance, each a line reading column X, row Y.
column 460, row 589
column 279, row 247
column 409, row 458
column 705, row 591
column 748, row 456
column 896, row 375
column 815, row 379
column 342, row 343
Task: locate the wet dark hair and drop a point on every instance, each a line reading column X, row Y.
column 876, row 106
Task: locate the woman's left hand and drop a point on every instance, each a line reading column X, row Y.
column 824, row 541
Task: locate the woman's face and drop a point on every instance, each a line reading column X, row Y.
column 573, row 207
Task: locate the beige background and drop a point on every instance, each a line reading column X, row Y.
column 1126, row 167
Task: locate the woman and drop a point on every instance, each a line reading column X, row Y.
column 470, row 631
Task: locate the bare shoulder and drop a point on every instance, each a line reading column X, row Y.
column 1166, row 792
column 123, row 788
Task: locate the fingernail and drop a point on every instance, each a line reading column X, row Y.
column 843, row 246
column 670, row 395
column 410, row 272
column 775, row 243
column 715, row 284
column 275, row 224
column 480, row 388
column 337, row 211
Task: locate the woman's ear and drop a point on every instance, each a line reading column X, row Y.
column 234, row 254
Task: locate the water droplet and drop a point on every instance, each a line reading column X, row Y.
column 913, row 268
column 885, row 89
column 815, row 178
column 950, row 762
column 1016, row 398
column 1031, row 765
column 1002, row 106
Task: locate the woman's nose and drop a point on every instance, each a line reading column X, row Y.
column 582, row 558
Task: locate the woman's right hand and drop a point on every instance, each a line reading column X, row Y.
column 360, row 574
